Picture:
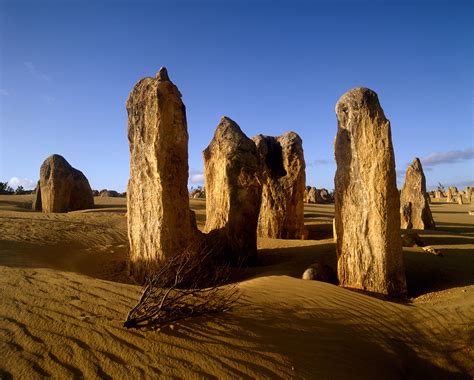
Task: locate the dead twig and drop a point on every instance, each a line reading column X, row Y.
column 192, row 283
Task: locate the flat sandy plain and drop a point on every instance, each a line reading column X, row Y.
column 64, row 295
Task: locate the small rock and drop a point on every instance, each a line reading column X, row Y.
column 320, row 272
column 412, row 239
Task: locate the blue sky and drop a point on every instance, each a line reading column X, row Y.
column 67, row 67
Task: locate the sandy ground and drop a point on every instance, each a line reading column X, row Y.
column 64, row 295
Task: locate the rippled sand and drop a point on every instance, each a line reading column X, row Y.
column 64, row 295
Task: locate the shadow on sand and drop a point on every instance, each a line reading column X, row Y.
column 363, row 342
column 428, row 273
column 456, row 227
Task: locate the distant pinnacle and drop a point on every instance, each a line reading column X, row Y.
column 162, row 74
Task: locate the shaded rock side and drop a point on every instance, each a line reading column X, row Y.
column 320, row 196
column 323, row 196
column 197, row 193
column 62, row 187
column 233, row 190
column 37, row 206
column 283, row 186
column 367, row 203
column 160, row 223
column 415, row 199
column 320, row 272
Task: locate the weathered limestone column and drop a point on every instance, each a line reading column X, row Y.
column 160, row 223
column 367, row 203
column 283, row 178
column 468, row 194
column 415, row 210
column 449, row 195
column 233, row 190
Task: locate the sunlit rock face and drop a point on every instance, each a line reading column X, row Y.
column 61, row 187
column 283, row 179
column 415, row 210
column 160, row 223
column 367, row 202
column 468, row 194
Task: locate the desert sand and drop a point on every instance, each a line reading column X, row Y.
column 65, row 293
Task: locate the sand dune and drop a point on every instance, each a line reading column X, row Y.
column 65, row 295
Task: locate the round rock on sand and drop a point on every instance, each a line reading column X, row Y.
column 320, row 272
column 62, row 188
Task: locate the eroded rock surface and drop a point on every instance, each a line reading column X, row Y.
column 414, row 201
column 449, row 195
column 320, row 196
column 109, row 193
column 62, row 188
column 160, row 223
column 367, row 203
column 283, row 179
column 468, row 194
column 233, row 190
column 37, row 206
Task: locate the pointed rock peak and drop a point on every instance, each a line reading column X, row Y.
column 227, row 120
column 228, row 131
column 416, row 163
column 57, row 159
column 162, row 74
column 227, row 126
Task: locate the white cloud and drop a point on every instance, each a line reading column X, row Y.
column 459, row 184
column 320, row 162
column 35, row 72
column 450, row 157
column 463, row 184
column 197, row 178
column 28, row 184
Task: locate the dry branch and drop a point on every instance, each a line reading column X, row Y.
column 189, row 284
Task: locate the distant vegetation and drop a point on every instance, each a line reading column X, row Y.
column 6, row 189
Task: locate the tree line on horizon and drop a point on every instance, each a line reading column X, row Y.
column 6, row 189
